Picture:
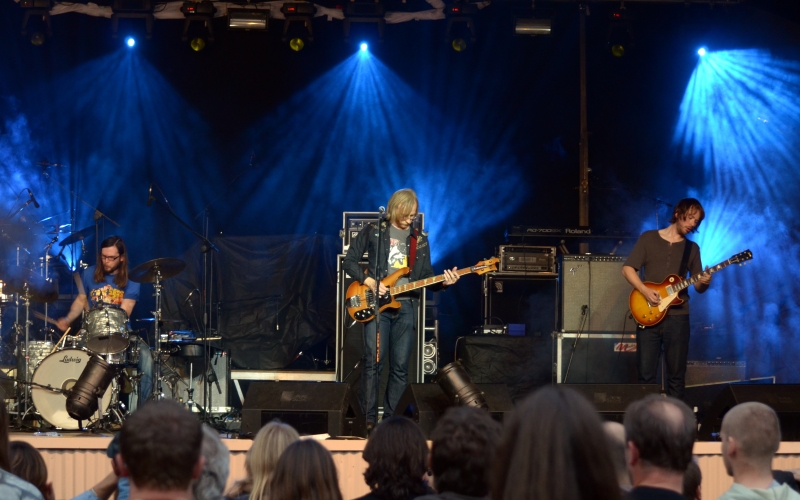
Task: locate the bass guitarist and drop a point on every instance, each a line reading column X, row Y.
column 661, row 253
column 400, row 246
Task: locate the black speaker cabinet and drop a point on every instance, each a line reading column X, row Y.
column 599, row 358
column 309, row 407
column 425, row 403
column 611, row 400
column 350, row 340
column 595, row 294
column 783, row 398
column 526, row 303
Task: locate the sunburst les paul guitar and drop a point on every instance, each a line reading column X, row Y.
column 647, row 314
column 361, row 302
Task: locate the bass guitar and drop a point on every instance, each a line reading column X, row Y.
column 361, row 301
column 647, row 314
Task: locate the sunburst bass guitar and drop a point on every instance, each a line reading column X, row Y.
column 360, row 300
column 647, row 314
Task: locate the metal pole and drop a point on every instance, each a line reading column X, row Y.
column 583, row 191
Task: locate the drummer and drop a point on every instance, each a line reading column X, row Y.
column 107, row 283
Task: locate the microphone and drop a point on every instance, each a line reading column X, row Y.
column 189, row 296
column 583, row 309
column 35, row 203
column 382, row 213
column 150, row 197
column 212, row 378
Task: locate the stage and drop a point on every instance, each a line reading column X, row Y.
column 76, row 462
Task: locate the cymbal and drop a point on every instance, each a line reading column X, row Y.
column 163, row 268
column 77, row 236
column 38, row 288
column 164, row 320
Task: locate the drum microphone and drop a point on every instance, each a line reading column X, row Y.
column 150, row 197
column 35, row 203
column 186, row 300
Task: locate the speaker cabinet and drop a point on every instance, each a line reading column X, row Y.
column 310, row 407
column 595, row 294
column 525, row 303
column 598, row 358
column 611, row 400
column 425, row 403
column 350, row 340
column 783, row 398
column 714, row 372
column 178, row 369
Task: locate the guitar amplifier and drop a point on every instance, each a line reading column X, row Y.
column 354, row 222
column 527, row 259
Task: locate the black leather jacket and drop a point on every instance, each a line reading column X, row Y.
column 367, row 240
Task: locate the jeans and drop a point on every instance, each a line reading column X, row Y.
column 143, row 390
column 398, row 334
column 673, row 334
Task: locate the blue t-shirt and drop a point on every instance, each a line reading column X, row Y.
column 107, row 292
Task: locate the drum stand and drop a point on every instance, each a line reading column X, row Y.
column 24, row 395
column 157, row 390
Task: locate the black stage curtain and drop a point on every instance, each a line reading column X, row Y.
column 275, row 296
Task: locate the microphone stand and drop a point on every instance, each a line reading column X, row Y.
column 377, row 319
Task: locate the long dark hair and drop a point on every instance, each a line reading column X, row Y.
column 396, row 454
column 4, row 425
column 121, row 278
column 554, row 448
column 27, row 463
column 305, row 471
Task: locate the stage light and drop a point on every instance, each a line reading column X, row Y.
column 198, row 12
column 532, row 26
column 38, row 39
column 364, row 47
column 296, row 44
column 364, row 11
column 37, row 9
column 248, row 19
column 132, row 9
column 459, row 44
column 299, row 17
column 197, row 44
column 701, row 51
column 130, row 42
column 458, row 386
column 620, row 33
column 460, row 25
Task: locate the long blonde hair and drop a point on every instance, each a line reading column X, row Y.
column 263, row 455
column 401, row 204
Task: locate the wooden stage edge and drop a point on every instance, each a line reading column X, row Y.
column 76, row 462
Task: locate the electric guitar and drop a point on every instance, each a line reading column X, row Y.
column 647, row 314
column 361, row 301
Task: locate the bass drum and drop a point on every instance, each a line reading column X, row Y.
column 61, row 370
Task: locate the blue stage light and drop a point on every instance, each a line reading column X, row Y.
column 364, row 47
column 130, row 42
column 701, row 51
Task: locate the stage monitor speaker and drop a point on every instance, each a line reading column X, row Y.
column 525, row 303
column 310, row 407
column 783, row 398
column 599, row 358
column 596, row 282
column 714, row 372
column 350, row 341
column 611, row 400
column 425, row 403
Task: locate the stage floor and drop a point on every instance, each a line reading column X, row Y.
column 75, row 462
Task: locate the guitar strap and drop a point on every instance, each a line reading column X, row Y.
column 412, row 251
column 687, row 248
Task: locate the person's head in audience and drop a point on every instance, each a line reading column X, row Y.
column 751, row 435
column 615, row 434
column 464, row 445
column 214, row 476
column 4, row 425
column 160, row 448
column 396, row 456
column 305, row 471
column 691, row 481
column 660, row 433
column 27, row 463
column 554, row 447
column 267, row 447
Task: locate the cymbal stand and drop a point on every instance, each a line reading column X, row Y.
column 157, row 330
column 23, row 410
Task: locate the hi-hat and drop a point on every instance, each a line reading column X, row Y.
column 24, row 281
column 161, row 268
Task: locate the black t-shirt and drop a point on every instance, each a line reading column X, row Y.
column 648, row 493
column 659, row 258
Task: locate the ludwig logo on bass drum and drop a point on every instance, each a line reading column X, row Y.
column 70, row 359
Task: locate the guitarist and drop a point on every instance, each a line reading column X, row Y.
column 661, row 253
column 399, row 246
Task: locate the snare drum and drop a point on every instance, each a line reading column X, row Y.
column 107, row 330
column 128, row 357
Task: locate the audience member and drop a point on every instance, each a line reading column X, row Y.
column 692, row 479
column 261, row 459
column 554, row 448
column 750, row 437
column 615, row 434
column 396, row 456
column 27, row 463
column 660, row 433
column 160, row 451
column 214, row 476
column 464, row 446
column 305, row 471
column 11, row 487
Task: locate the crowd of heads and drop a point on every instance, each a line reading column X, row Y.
column 554, row 445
